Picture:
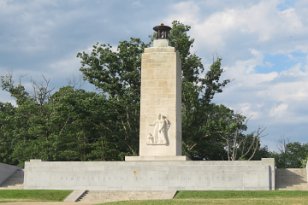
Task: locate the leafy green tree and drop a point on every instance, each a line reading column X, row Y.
column 70, row 124
column 7, row 141
column 28, row 124
column 291, row 155
column 117, row 74
column 82, row 124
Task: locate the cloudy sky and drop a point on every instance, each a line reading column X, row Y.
column 263, row 44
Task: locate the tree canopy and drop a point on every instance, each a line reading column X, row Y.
column 291, row 154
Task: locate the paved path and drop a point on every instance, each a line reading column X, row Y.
column 112, row 196
column 47, row 203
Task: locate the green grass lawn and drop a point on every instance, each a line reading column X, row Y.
column 181, row 198
column 229, row 198
column 239, row 194
column 32, row 195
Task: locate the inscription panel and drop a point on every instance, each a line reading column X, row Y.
column 184, row 175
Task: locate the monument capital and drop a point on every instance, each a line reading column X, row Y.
column 162, row 31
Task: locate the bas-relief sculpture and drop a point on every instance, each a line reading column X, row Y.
column 159, row 136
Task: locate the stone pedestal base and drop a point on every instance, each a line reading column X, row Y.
column 155, row 158
column 151, row 175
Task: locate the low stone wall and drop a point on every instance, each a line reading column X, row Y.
column 307, row 168
column 151, row 175
column 291, row 179
column 6, row 171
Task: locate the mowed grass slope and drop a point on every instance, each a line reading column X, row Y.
column 239, row 194
column 229, row 198
column 33, row 195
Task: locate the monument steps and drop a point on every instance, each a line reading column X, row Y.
column 291, row 179
column 76, row 196
column 82, row 196
column 112, row 196
column 15, row 181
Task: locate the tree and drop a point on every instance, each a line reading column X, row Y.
column 28, row 120
column 71, row 124
column 83, row 124
column 7, row 112
column 117, row 74
column 291, row 155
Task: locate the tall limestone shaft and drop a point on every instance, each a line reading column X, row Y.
column 160, row 106
column 161, row 89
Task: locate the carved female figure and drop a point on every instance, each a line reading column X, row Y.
column 160, row 131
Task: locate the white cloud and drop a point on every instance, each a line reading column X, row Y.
column 289, row 91
column 65, row 66
column 278, row 88
column 242, row 72
column 296, row 71
column 279, row 110
column 5, row 97
column 248, row 110
column 277, row 101
column 235, row 27
column 185, row 11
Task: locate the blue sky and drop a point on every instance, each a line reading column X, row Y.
column 263, row 44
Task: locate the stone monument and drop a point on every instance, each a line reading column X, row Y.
column 160, row 104
column 159, row 166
